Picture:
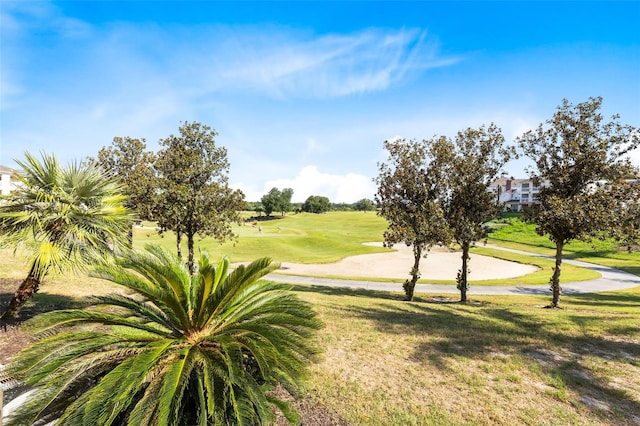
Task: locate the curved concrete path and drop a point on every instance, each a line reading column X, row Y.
column 611, row 279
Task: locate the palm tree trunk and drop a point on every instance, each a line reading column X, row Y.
column 410, row 285
column 462, row 282
column 555, row 279
column 27, row 289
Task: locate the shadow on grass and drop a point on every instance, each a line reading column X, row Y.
column 617, row 300
column 40, row 303
column 347, row 291
column 561, row 344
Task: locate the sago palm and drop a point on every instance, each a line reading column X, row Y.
column 179, row 349
column 65, row 218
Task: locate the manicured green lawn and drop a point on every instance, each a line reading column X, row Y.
column 297, row 238
column 522, row 236
column 570, row 273
column 327, row 238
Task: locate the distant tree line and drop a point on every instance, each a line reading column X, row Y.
column 313, row 204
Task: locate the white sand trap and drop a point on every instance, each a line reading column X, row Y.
column 440, row 264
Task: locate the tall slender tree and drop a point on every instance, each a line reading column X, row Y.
column 65, row 217
column 580, row 164
column 479, row 157
column 410, row 187
column 194, row 196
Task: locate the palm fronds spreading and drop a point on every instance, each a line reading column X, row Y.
column 180, row 349
column 65, row 216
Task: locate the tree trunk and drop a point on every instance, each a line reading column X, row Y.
column 179, row 244
column 410, row 285
column 462, row 281
column 555, row 278
column 190, row 263
column 27, row 289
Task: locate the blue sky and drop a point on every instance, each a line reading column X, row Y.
column 304, row 93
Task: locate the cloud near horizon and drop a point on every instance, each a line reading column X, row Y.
column 347, row 188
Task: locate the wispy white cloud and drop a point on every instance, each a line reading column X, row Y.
column 289, row 64
column 21, row 17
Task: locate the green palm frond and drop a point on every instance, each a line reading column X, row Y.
column 180, row 349
column 67, row 217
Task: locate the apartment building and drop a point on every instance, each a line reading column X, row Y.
column 515, row 194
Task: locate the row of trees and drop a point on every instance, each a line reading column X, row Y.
column 185, row 345
column 183, row 187
column 71, row 217
column 436, row 191
column 277, row 200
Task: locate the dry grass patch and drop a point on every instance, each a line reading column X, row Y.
column 497, row 361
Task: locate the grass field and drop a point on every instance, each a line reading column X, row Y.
column 297, row 238
column 494, row 361
column 327, row 238
column 521, row 235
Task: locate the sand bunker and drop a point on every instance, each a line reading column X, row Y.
column 440, row 264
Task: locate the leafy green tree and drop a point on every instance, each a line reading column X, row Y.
column 270, row 201
column 194, row 196
column 277, row 201
column 363, row 205
column 629, row 230
column 316, row 204
column 179, row 349
column 128, row 160
column 580, row 162
column 285, row 202
column 410, row 187
column 258, row 208
column 65, row 217
column 477, row 160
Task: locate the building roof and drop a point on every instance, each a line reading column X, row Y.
column 7, row 170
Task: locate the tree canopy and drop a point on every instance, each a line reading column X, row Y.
column 580, row 165
column 194, row 196
column 363, row 205
column 277, row 201
column 129, row 161
column 410, row 187
column 316, row 204
column 474, row 162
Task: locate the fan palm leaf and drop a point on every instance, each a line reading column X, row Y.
column 65, row 217
column 179, row 349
